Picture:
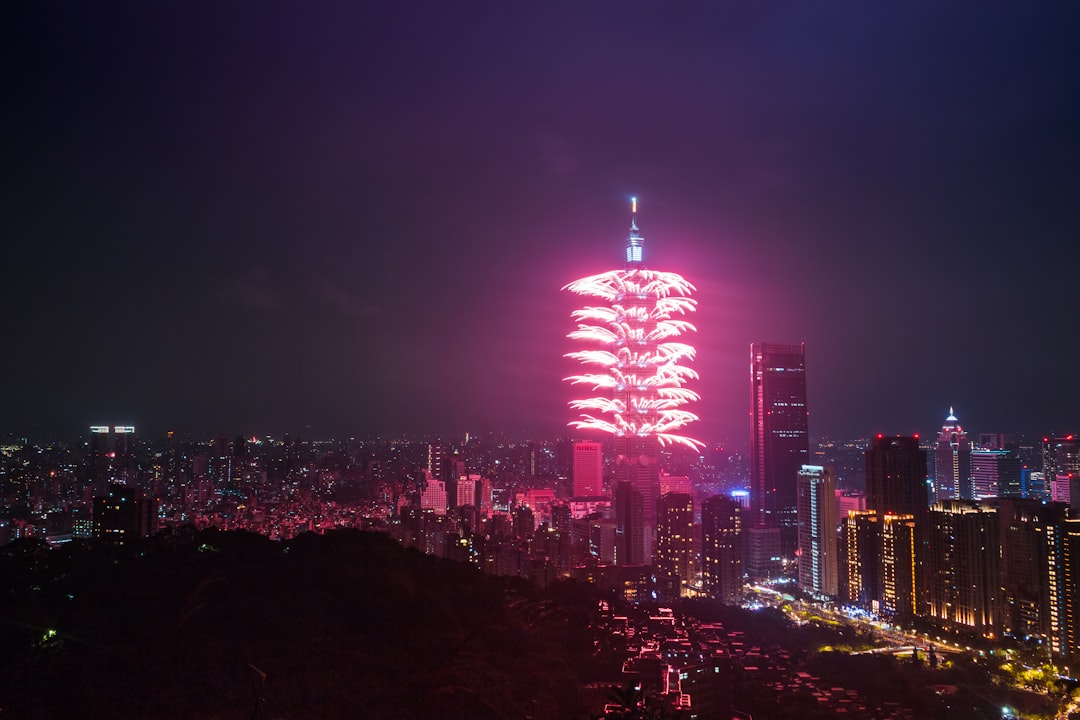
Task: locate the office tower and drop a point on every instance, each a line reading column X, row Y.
column 964, row 567
column 952, row 461
column 899, row 568
column 817, row 530
column 862, row 539
column 896, row 476
column 433, row 494
column 1061, row 469
column 1071, row 581
column 588, row 469
column 1034, row 594
column 994, row 473
column 631, row 359
column 779, row 446
column 112, row 457
column 123, row 515
column 675, row 537
column 629, row 525
column 721, row 547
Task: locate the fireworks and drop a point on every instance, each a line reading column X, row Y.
column 629, row 352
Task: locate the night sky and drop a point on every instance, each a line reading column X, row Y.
column 262, row 218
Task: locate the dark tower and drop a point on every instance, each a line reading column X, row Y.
column 779, row 444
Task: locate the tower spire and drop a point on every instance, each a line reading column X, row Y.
column 635, row 244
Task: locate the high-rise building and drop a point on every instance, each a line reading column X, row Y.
column 899, row 567
column 964, row 567
column 862, row 540
column 433, row 494
column 588, row 469
column 896, row 476
column 952, row 461
column 721, row 547
column 817, row 530
column 1032, row 535
column 675, row 538
column 994, row 473
column 112, row 457
column 1061, row 469
column 123, row 515
column 640, row 371
column 779, row 444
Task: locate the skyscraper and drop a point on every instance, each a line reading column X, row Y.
column 638, row 369
column 588, row 469
column 779, row 445
column 994, row 473
column 952, row 461
column 721, row 551
column 896, row 477
column 675, row 537
column 817, row 530
column 1061, row 469
column 112, row 457
column 1034, row 593
column 964, row 567
column 900, row 583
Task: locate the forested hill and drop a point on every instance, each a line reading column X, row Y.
column 232, row 625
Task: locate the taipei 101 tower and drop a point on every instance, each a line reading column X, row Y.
column 635, row 366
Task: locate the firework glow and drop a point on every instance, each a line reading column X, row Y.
column 630, row 353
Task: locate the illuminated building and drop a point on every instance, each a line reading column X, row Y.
column 112, row 456
column 675, row 537
column 899, row 569
column 637, row 367
column 817, row 530
column 588, row 469
column 862, row 540
column 952, row 461
column 779, row 447
column 1071, row 582
column 433, row 494
column 1061, row 469
column 123, row 515
column 1032, row 562
column 994, row 473
column 964, row 567
column 721, row 547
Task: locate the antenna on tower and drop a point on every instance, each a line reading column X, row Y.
column 635, row 242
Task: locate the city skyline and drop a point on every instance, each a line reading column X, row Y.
column 344, row 221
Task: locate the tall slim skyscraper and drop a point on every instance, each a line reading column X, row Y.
column 952, row 462
column 588, row 469
column 637, row 368
column 779, row 443
column 817, row 530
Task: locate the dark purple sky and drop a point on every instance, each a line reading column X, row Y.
column 259, row 217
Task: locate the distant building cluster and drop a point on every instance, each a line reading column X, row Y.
column 975, row 536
